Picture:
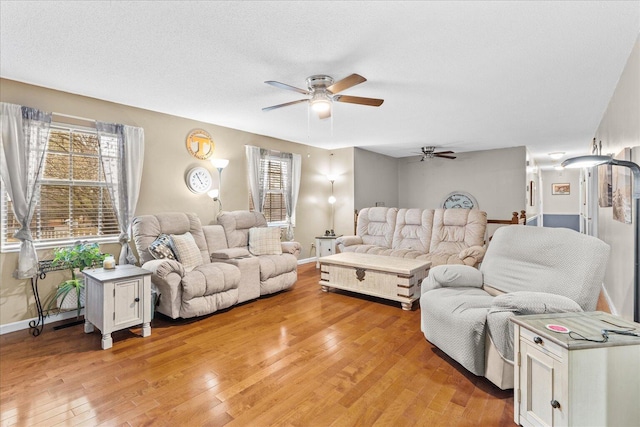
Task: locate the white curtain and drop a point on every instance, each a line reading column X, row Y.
column 257, row 182
column 296, row 170
column 122, row 155
column 23, row 141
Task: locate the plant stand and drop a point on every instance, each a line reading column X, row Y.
column 36, row 326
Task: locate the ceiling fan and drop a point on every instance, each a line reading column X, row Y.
column 323, row 91
column 430, row 153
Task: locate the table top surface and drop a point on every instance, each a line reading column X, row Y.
column 120, row 272
column 376, row 262
column 588, row 324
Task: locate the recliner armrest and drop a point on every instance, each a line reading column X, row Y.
column 472, row 255
column 229, row 253
column 345, row 241
column 164, row 267
column 443, row 276
column 293, row 248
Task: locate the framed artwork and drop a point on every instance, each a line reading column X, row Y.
column 561, row 189
column 621, row 189
column 532, row 193
column 604, row 186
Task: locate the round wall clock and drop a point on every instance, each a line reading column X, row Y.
column 460, row 200
column 199, row 144
column 199, row 180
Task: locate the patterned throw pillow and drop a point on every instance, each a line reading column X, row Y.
column 161, row 248
column 265, row 241
column 186, row 250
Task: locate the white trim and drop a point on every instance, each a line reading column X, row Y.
column 306, row 260
column 24, row 324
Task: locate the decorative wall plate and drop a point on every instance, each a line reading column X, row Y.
column 199, row 144
column 460, row 200
column 199, row 180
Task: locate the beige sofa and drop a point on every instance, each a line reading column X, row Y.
column 442, row 236
column 212, row 276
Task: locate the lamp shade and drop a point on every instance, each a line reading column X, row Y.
column 214, row 193
column 219, row 163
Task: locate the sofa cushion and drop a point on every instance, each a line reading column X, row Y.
column 229, row 253
column 186, row 250
column 161, row 248
column 413, row 229
column 237, row 224
column 265, row 241
column 275, row 265
column 376, row 226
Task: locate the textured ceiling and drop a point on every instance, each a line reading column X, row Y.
column 463, row 76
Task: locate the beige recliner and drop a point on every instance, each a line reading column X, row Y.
column 527, row 270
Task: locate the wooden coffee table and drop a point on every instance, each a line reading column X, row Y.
column 396, row 279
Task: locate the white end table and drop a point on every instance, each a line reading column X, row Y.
column 117, row 299
column 563, row 381
column 325, row 246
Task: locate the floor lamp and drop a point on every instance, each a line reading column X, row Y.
column 332, row 202
column 216, row 195
column 590, row 161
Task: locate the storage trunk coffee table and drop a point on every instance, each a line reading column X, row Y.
column 396, row 279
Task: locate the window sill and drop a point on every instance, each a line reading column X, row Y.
column 51, row 244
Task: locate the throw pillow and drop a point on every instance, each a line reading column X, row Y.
column 186, row 250
column 265, row 241
column 161, row 248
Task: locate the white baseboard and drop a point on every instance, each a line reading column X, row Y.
column 306, row 260
column 24, row 324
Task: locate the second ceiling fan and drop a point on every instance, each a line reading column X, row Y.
column 323, row 91
column 430, row 152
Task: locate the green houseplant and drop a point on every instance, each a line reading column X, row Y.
column 75, row 258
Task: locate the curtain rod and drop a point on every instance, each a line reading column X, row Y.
column 69, row 116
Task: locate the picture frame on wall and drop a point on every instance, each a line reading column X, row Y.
column 604, row 186
column 561, row 189
column 621, row 189
column 532, row 193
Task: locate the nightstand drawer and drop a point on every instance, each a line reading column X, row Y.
column 541, row 343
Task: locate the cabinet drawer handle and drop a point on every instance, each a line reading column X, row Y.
column 555, row 404
column 538, row 340
column 137, row 299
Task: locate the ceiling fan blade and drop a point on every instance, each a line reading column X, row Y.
column 286, row 104
column 325, row 114
column 442, row 155
column 287, row 87
column 373, row 102
column 346, row 83
column 445, row 152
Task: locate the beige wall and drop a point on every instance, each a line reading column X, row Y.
column 163, row 181
column 620, row 128
column 561, row 204
column 376, row 179
column 496, row 178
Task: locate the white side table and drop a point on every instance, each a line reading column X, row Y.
column 117, row 299
column 562, row 381
column 325, row 246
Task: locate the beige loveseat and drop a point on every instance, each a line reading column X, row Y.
column 208, row 275
column 442, row 236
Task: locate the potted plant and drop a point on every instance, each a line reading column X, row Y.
column 68, row 294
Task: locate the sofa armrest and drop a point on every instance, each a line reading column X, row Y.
column 443, row 276
column 472, row 255
column 292, row 248
column 511, row 304
column 345, row 241
column 167, row 276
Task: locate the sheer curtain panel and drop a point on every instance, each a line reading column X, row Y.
column 122, row 156
column 23, row 140
column 257, row 183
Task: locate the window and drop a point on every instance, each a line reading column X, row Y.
column 274, row 171
column 74, row 198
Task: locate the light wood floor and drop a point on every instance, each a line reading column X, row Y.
column 298, row 358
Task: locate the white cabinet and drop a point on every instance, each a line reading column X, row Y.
column 325, row 246
column 117, row 299
column 562, row 381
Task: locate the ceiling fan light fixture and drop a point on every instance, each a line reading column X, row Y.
column 320, row 102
